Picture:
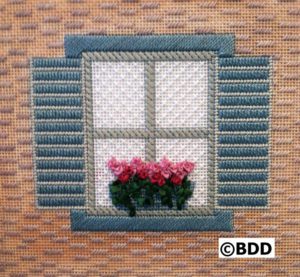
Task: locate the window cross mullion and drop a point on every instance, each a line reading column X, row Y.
column 150, row 151
column 179, row 133
column 141, row 133
column 126, row 133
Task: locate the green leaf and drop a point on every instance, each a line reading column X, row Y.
column 115, row 189
column 151, row 201
column 134, row 186
column 164, row 201
column 135, row 196
column 115, row 201
column 147, row 189
column 181, row 200
column 143, row 183
column 188, row 193
column 141, row 201
column 180, row 191
column 162, row 192
column 168, row 189
column 154, row 189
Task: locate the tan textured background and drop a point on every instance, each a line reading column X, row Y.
column 40, row 243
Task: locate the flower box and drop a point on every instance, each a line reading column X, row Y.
column 141, row 184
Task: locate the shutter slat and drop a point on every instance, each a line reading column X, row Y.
column 242, row 139
column 244, row 61
column 244, row 87
column 243, row 189
column 243, row 201
column 243, row 164
column 243, row 113
column 62, row 139
column 56, row 76
column 59, row 152
column 244, row 101
column 58, row 102
column 242, row 177
column 58, row 114
column 61, row 202
column 243, row 126
column 59, row 164
column 56, row 63
column 60, row 189
column 54, row 88
column 56, row 176
column 242, row 151
column 59, row 127
column 243, row 74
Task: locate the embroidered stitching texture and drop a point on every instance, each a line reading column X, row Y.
column 59, row 167
column 49, row 242
column 241, row 129
column 150, row 133
column 243, row 132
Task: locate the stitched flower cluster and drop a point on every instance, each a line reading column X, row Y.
column 157, row 172
column 140, row 182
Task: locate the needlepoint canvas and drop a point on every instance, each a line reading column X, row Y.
column 136, row 134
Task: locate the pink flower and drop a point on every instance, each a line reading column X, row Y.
column 155, row 174
column 115, row 166
column 120, row 169
column 136, row 164
column 180, row 172
column 165, row 166
column 142, row 172
column 126, row 173
column 173, row 168
column 152, row 168
column 112, row 162
column 188, row 166
column 176, row 180
column 157, row 178
column 138, row 167
column 124, row 177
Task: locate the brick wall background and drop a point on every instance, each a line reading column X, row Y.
column 40, row 243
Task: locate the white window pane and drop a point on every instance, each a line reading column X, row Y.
column 181, row 94
column 105, row 149
column 118, row 94
column 195, row 150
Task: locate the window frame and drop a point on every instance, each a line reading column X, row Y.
column 149, row 59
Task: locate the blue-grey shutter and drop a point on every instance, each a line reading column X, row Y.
column 58, row 140
column 243, row 114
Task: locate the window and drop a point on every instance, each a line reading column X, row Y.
column 149, row 105
column 183, row 96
